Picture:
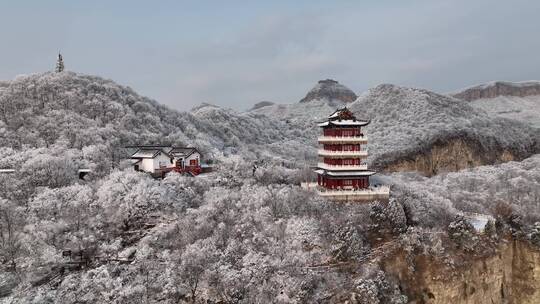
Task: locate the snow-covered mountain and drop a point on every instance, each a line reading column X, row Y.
column 407, row 122
column 499, row 88
column 79, row 111
column 515, row 100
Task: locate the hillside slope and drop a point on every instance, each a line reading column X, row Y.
column 77, row 111
column 429, row 132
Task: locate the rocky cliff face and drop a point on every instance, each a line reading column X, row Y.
column 512, row 275
column 330, row 90
column 500, row 88
column 453, row 155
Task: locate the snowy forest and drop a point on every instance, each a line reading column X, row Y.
column 233, row 235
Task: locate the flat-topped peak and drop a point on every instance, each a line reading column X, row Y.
column 330, row 90
column 328, row 81
column 499, row 88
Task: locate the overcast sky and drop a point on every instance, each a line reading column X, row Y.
column 236, row 53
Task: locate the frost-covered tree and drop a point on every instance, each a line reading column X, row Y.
column 375, row 288
column 127, row 199
column 11, row 245
column 388, row 216
column 461, row 231
column 534, row 234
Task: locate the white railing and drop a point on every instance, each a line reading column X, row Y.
column 380, row 190
column 343, row 139
column 342, row 167
column 373, row 192
column 342, row 153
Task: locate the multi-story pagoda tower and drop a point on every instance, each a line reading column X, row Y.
column 342, row 171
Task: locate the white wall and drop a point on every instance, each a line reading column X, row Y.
column 153, row 164
column 147, row 165
column 196, row 156
column 162, row 160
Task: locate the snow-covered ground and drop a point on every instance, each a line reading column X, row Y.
column 525, row 109
column 478, row 221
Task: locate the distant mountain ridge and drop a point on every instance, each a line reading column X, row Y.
column 514, row 100
column 330, row 90
column 499, row 88
column 81, row 111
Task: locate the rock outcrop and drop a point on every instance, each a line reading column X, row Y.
column 330, row 90
column 454, row 155
column 500, row 88
column 511, row 275
column 262, row 104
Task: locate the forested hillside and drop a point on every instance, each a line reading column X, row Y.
column 408, row 122
column 237, row 236
column 59, row 111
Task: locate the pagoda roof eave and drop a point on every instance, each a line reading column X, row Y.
column 345, row 173
column 355, row 123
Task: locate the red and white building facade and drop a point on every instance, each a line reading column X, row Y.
column 159, row 160
column 342, row 171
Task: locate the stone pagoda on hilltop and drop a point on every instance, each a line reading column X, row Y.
column 342, row 172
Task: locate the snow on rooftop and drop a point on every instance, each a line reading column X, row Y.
column 182, row 151
column 145, row 153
